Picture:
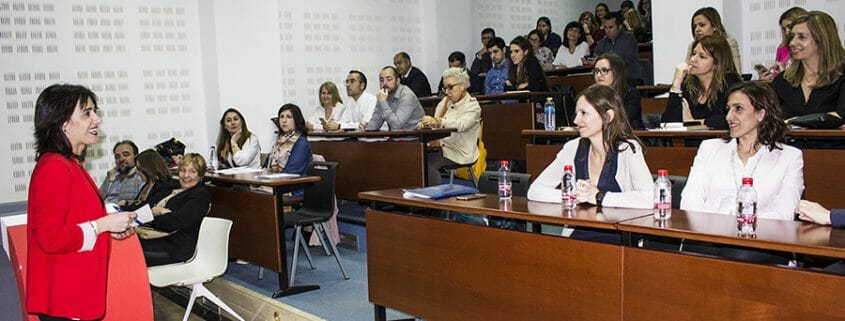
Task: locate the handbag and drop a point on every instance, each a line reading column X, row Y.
column 817, row 121
column 169, row 148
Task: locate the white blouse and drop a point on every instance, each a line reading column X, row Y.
column 632, row 175
column 717, row 172
column 320, row 112
column 564, row 58
column 249, row 155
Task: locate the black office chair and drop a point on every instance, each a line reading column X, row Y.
column 317, row 208
column 452, row 168
column 489, row 183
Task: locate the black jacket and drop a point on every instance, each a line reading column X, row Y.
column 418, row 82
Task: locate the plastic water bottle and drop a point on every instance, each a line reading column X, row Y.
column 504, row 181
column 567, row 187
column 212, row 158
column 549, row 114
column 746, row 208
column 662, row 195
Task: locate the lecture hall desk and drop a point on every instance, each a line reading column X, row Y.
column 824, row 177
column 438, row 269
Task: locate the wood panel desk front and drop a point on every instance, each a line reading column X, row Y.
column 445, row 270
column 372, row 165
column 824, row 179
column 258, row 231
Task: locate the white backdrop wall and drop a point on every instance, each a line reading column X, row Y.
column 141, row 57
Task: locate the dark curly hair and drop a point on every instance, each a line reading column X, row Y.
column 772, row 130
column 53, row 109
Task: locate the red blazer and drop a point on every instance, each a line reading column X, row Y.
column 61, row 281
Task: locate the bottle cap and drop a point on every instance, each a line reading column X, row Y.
column 747, row 181
column 549, row 98
column 567, row 167
column 662, row 172
column 504, row 163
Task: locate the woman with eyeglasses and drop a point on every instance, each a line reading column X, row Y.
column 699, row 89
column 457, row 110
column 610, row 71
column 593, row 32
column 524, row 71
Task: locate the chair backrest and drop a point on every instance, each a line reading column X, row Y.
column 318, row 199
column 212, row 253
column 489, row 183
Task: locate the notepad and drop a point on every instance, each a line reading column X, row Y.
column 438, row 191
column 275, row 175
column 237, row 170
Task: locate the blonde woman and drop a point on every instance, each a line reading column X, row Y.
column 327, row 115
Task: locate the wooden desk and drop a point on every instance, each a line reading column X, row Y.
column 566, row 71
column 364, row 166
column 258, row 229
column 823, row 177
column 444, row 270
column 684, row 287
column 518, row 96
column 579, row 82
column 425, row 265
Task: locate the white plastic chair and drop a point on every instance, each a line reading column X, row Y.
column 209, row 261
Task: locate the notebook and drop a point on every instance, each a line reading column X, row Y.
column 439, row 191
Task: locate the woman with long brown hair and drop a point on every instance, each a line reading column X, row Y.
column 608, row 159
column 525, row 71
column 707, row 22
column 236, row 145
column 699, row 88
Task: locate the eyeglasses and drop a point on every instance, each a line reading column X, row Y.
column 449, row 87
column 601, row 71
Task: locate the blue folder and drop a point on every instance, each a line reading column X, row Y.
column 439, row 191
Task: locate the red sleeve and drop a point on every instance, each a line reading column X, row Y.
column 49, row 213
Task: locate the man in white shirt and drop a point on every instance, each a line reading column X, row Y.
column 360, row 105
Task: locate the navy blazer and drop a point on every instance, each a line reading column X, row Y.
column 418, row 82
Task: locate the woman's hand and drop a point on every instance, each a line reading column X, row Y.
column 124, row 234
column 331, row 125
column 158, row 210
column 680, row 73
column 813, row 212
column 429, row 122
column 522, row 85
column 116, row 222
column 585, row 192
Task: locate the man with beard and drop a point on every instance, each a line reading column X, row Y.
column 122, row 182
column 396, row 104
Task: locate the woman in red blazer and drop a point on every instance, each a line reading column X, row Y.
column 67, row 222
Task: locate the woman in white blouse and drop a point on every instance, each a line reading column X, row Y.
column 755, row 148
column 236, row 145
column 608, row 158
column 327, row 116
column 574, row 47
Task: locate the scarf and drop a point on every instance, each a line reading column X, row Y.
column 281, row 150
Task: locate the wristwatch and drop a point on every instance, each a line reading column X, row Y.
column 599, row 198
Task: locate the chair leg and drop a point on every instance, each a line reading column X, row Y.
column 451, row 176
column 204, row 292
column 472, row 177
column 336, row 253
column 307, row 252
column 297, row 238
column 318, row 228
column 191, row 300
column 260, row 273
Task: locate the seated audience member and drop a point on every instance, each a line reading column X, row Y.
column 457, row 110
column 411, row 76
column 816, row 213
column 601, row 12
column 699, row 89
column 396, row 104
column 610, row 71
column 524, row 72
column 328, row 115
column 497, row 75
column 608, row 159
column 593, row 31
column 626, row 5
column 622, row 44
column 360, row 105
column 574, row 48
column 815, row 81
column 783, row 51
column 482, row 61
column 291, row 153
column 548, row 38
column 635, row 26
column 644, row 8
column 236, row 145
column 172, row 235
column 458, row 60
column 157, row 181
column 707, row 22
column 756, row 147
column 544, row 55
column 122, row 182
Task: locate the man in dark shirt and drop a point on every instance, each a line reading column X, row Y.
column 411, row 76
column 458, row 60
column 622, row 43
column 482, row 61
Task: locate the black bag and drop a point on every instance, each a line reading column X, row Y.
column 169, row 148
column 817, row 121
